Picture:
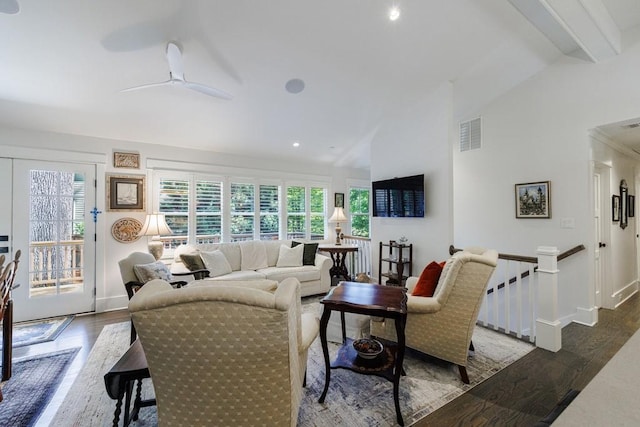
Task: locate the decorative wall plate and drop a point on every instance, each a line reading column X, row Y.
column 125, row 230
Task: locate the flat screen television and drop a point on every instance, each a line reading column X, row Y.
column 399, row 197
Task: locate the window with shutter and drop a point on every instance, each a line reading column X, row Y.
column 269, row 212
column 242, row 211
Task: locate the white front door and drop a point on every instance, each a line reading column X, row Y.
column 54, row 228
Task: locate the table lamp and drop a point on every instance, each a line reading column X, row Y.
column 155, row 225
column 338, row 217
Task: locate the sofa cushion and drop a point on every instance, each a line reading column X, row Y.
column 273, row 250
column 241, row 275
column 192, row 261
column 306, row 273
column 154, row 270
column 290, row 257
column 216, row 263
column 428, row 280
column 254, row 255
column 309, row 255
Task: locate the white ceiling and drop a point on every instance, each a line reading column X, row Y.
column 63, row 64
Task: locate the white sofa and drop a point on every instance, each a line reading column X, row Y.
column 314, row 279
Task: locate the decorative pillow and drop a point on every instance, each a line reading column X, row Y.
column 309, row 254
column 428, row 280
column 154, row 270
column 290, row 257
column 216, row 263
column 254, row 255
column 192, row 261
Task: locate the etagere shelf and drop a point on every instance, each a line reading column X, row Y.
column 395, row 263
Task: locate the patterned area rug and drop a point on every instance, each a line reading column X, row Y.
column 353, row 399
column 37, row 331
column 33, row 382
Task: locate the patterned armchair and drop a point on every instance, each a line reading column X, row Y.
column 222, row 354
column 442, row 325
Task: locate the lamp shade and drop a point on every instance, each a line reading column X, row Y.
column 155, row 225
column 338, row 215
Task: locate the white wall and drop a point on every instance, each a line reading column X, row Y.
column 417, row 141
column 539, row 131
column 60, row 147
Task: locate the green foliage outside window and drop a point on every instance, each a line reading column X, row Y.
column 359, row 209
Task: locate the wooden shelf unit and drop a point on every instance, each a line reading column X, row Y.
column 398, row 260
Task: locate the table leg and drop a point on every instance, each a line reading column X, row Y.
column 400, row 325
column 324, row 321
column 344, row 329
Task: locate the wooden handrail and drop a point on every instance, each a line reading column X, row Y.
column 529, row 259
column 366, row 239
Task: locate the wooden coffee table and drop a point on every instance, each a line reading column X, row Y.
column 373, row 300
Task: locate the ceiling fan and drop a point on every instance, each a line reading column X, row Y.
column 176, row 76
column 9, row 6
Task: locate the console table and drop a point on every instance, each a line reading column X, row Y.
column 338, row 256
column 119, row 381
column 372, row 300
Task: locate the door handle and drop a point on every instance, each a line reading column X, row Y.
column 602, row 245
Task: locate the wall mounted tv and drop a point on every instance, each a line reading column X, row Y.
column 399, row 197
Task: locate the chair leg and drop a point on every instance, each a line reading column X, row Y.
column 133, row 333
column 304, row 381
column 463, row 374
column 471, row 348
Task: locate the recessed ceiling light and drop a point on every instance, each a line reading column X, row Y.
column 296, row 144
column 294, row 86
column 394, row 13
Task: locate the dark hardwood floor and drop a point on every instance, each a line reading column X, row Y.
column 528, row 390
column 520, row 395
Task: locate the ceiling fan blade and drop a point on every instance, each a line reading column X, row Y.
column 10, row 7
column 168, row 82
column 174, row 57
column 211, row 91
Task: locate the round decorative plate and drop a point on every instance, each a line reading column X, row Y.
column 125, row 230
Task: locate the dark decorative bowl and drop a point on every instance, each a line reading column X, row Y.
column 368, row 348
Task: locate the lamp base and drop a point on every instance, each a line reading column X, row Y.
column 338, row 235
column 156, row 247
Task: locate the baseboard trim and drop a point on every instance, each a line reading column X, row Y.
column 112, row 303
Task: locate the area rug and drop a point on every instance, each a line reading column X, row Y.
column 37, row 331
column 33, row 382
column 353, row 399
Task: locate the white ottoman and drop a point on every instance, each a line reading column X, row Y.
column 356, row 326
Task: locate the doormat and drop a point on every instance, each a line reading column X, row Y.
column 34, row 381
column 38, row 331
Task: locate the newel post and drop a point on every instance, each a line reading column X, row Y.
column 548, row 326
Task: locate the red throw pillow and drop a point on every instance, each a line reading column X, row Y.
column 428, row 280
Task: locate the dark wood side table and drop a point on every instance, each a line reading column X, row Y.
column 119, row 381
column 373, row 300
column 338, row 256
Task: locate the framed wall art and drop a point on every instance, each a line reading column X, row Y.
column 533, row 200
column 615, row 208
column 126, row 160
column 126, row 193
column 339, row 200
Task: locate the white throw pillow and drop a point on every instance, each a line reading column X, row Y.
column 254, row 255
column 290, row 257
column 154, row 270
column 216, row 263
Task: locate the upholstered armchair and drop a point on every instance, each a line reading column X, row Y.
column 442, row 326
column 222, row 354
